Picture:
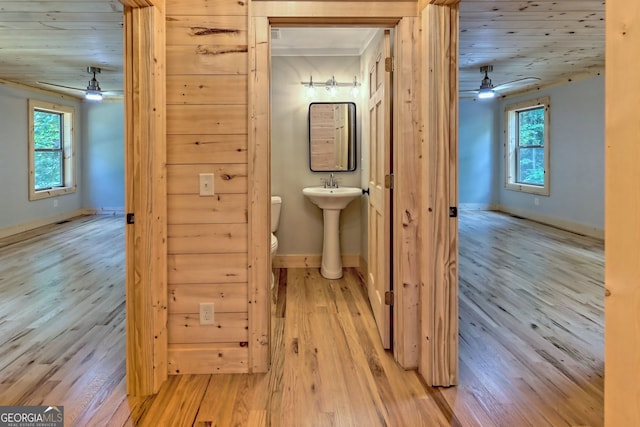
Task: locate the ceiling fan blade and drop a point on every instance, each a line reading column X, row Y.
column 467, row 96
column 62, row 86
column 113, row 92
column 468, row 93
column 517, row 82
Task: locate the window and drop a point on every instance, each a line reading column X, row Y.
column 527, row 146
column 51, row 152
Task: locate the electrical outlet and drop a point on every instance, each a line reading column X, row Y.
column 55, row 203
column 206, row 313
column 536, row 201
column 206, row 184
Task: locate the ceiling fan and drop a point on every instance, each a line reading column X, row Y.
column 488, row 90
column 92, row 91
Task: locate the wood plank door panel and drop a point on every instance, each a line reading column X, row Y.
column 379, row 257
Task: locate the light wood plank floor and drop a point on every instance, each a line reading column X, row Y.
column 531, row 339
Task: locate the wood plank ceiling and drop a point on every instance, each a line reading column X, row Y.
column 555, row 40
column 55, row 41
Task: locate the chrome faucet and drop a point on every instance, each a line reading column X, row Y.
column 330, row 182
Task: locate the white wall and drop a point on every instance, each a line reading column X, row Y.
column 103, row 156
column 478, row 154
column 576, row 200
column 301, row 223
column 15, row 207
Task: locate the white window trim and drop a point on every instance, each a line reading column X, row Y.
column 510, row 147
column 69, row 154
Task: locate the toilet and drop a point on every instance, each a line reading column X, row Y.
column 276, row 204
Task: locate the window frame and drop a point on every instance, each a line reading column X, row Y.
column 68, row 149
column 512, row 148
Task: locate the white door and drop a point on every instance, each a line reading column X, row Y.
column 379, row 259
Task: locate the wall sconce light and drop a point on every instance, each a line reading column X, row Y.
column 355, row 90
column 311, row 89
column 331, row 85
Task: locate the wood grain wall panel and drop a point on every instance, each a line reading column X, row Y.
column 209, row 119
column 207, row 127
column 184, row 179
column 207, row 238
column 200, row 90
column 206, row 7
column 207, row 268
column 228, row 327
column 227, row 297
column 219, row 209
column 218, row 358
column 193, row 149
column 218, row 30
column 207, row 59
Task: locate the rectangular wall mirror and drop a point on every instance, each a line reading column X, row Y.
column 332, row 136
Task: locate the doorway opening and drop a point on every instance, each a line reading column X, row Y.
column 332, row 66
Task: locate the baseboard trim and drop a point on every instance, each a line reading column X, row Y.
column 311, row 261
column 363, row 269
column 563, row 224
column 41, row 222
column 104, row 211
column 478, row 207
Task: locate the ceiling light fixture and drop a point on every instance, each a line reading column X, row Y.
column 486, row 93
column 486, row 87
column 93, row 92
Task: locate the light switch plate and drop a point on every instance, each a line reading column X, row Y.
column 206, row 313
column 206, row 184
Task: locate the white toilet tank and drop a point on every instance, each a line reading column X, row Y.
column 276, row 203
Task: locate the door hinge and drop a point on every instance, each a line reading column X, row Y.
column 453, row 211
column 388, row 64
column 131, row 218
column 388, row 298
column 388, row 181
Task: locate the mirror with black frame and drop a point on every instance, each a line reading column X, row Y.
column 332, row 136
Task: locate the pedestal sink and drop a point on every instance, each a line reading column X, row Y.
column 331, row 201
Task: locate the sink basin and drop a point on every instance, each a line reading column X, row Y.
column 331, row 198
column 331, row 201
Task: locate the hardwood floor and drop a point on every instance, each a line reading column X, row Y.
column 531, row 324
column 62, row 314
column 531, row 339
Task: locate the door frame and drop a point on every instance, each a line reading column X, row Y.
column 145, row 196
column 404, row 18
